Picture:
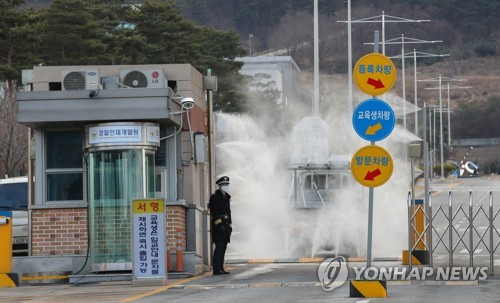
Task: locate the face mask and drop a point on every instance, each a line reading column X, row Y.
column 224, row 188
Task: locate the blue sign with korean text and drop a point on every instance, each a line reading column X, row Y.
column 373, row 119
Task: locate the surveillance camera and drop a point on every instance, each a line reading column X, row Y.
column 92, row 94
column 187, row 103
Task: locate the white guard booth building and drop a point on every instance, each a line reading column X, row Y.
column 102, row 136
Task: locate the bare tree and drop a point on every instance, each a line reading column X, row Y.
column 13, row 136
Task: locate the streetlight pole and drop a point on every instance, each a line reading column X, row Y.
column 316, row 61
column 449, row 110
column 440, row 79
column 415, row 56
column 448, row 87
column 383, row 19
column 349, row 61
column 250, row 36
column 405, row 40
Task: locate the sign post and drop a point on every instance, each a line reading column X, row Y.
column 371, row 165
column 149, row 263
column 373, row 120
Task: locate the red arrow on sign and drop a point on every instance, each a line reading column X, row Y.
column 375, row 83
column 370, row 175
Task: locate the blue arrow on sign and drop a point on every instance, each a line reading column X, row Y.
column 373, row 119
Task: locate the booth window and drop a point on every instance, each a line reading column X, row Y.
column 64, row 166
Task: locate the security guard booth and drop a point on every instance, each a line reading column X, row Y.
column 120, row 169
column 102, row 136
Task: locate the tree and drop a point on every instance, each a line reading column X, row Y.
column 105, row 32
column 16, row 45
column 13, row 138
column 71, row 34
column 17, row 36
column 218, row 50
column 168, row 35
column 263, row 95
column 172, row 39
column 474, row 119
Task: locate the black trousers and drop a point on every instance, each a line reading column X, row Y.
column 219, row 252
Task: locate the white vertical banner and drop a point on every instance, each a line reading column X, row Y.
column 149, row 240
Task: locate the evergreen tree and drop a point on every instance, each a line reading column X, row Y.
column 72, row 36
column 168, row 35
column 172, row 39
column 17, row 39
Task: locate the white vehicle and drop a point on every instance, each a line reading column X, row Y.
column 14, row 198
column 320, row 182
column 317, row 190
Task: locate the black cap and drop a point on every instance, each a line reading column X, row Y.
column 222, row 180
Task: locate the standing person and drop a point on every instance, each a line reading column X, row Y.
column 221, row 228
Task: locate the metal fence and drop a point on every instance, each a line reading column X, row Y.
column 433, row 229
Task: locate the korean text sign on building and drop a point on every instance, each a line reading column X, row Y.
column 149, row 238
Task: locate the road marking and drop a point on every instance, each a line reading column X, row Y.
column 200, row 287
column 461, row 283
column 255, row 271
column 254, row 285
column 258, row 285
column 164, row 288
column 363, row 301
column 262, row 260
column 311, row 260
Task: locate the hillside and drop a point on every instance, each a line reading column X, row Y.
column 469, row 32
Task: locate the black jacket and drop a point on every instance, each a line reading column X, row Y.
column 220, row 213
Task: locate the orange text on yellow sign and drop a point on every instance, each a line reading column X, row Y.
column 374, row 74
column 147, row 206
column 372, row 166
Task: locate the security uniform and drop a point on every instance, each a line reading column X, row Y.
column 221, row 228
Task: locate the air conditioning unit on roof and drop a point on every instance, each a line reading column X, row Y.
column 142, row 78
column 81, row 79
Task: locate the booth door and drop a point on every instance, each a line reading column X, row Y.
column 116, row 177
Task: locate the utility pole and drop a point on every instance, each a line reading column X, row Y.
column 405, row 40
column 439, row 87
column 448, row 87
column 383, row 19
column 250, row 36
column 416, row 55
column 316, row 62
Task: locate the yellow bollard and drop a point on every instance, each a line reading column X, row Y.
column 7, row 279
column 420, row 254
column 5, row 242
column 418, row 210
column 368, row 289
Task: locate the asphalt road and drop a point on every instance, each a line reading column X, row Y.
column 264, row 282
column 280, row 281
column 460, row 194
